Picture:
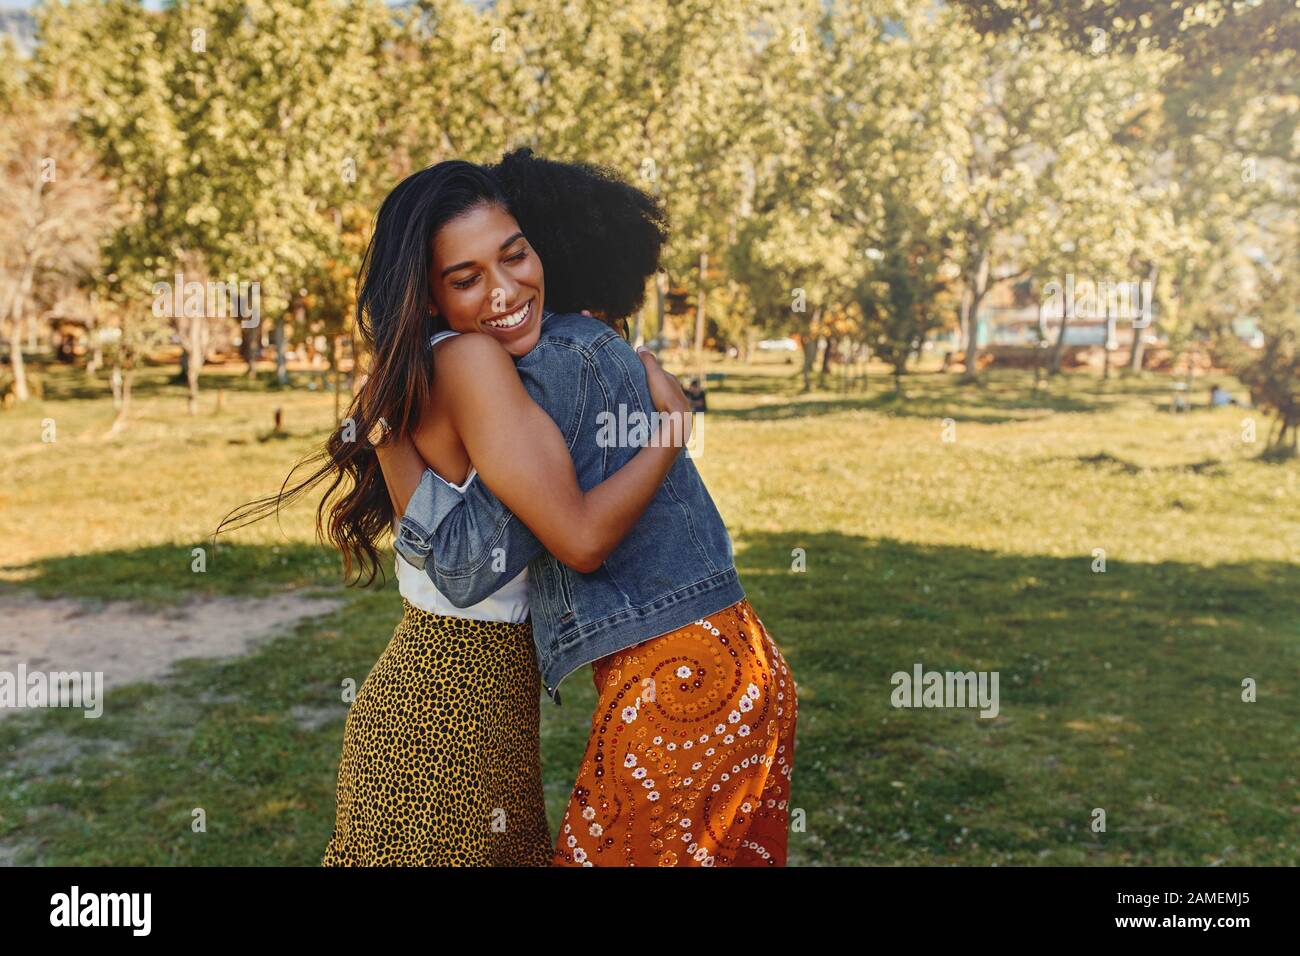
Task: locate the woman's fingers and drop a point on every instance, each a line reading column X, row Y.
column 652, row 366
column 665, row 391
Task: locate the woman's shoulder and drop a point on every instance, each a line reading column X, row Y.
column 472, row 347
column 471, row 362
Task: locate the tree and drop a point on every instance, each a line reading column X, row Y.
column 1273, row 373
column 1221, row 138
column 1033, row 128
column 54, row 202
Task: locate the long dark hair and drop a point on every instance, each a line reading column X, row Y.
column 597, row 236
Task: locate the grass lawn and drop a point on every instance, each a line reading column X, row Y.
column 954, row 527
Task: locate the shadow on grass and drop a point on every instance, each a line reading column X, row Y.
column 1117, row 691
column 169, row 574
column 1211, row 467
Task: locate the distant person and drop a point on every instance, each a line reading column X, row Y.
column 695, row 393
column 1218, row 396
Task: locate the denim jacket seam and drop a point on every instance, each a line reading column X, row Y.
column 606, row 399
column 589, row 371
column 668, row 484
column 570, row 431
column 689, row 518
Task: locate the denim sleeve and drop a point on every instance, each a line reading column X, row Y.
column 468, row 542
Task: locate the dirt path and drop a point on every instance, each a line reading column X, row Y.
column 131, row 645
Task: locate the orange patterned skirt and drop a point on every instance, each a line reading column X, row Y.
column 691, row 751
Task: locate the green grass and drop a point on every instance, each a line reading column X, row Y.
column 1119, row 690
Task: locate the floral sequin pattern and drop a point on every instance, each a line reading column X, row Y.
column 691, row 752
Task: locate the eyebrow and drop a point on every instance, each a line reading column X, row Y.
column 465, row 265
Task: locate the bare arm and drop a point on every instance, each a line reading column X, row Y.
column 522, row 457
column 402, row 467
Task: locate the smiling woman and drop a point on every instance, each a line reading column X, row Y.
column 486, row 283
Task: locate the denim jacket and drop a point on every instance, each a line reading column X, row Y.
column 674, row 567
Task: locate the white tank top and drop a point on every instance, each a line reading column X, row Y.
column 508, row 603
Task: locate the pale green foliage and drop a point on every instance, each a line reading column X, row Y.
column 853, row 169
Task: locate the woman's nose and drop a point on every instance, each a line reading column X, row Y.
column 505, row 290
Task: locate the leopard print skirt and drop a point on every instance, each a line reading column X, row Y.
column 441, row 757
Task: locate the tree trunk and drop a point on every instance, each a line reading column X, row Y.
column 1136, row 350
column 16, row 360
column 638, row 327
column 971, row 350
column 281, row 366
column 1105, row 345
column 810, row 350
column 700, row 314
column 198, row 344
column 1135, row 355
column 124, row 410
column 826, row 358
column 1058, row 349
column 334, row 373
column 963, row 324
column 972, row 296
column 661, row 296
column 21, row 291
column 353, row 369
column 250, row 347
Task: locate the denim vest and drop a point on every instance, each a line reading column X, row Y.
column 674, row 567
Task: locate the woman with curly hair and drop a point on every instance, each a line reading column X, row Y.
column 692, row 741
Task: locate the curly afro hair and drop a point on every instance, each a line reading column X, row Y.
column 598, row 237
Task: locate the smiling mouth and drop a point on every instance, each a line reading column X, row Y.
column 514, row 319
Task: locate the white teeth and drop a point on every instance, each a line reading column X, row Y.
column 511, row 320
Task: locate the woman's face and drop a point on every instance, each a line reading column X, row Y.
column 486, row 278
